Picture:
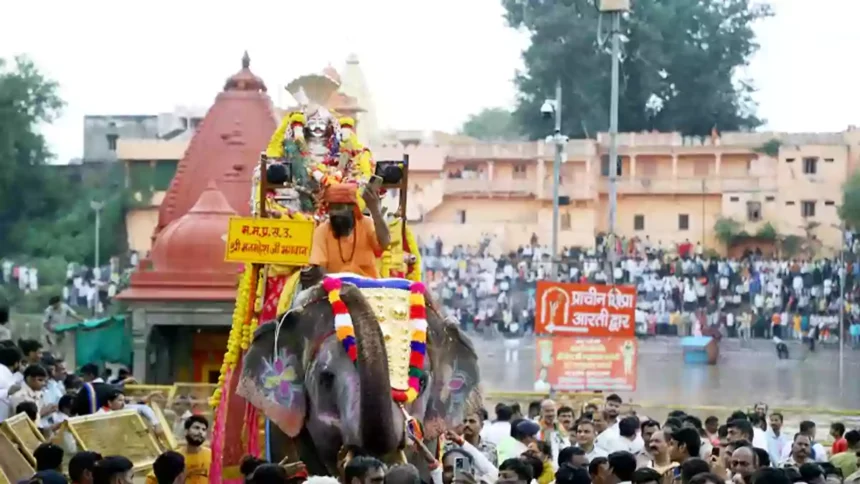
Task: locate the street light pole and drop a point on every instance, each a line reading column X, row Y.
column 556, row 179
column 842, row 273
column 97, row 208
column 613, row 142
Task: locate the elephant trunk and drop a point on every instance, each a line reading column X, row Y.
column 381, row 425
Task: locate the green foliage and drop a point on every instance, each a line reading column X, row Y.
column 677, row 72
column 726, row 229
column 770, row 148
column 492, row 124
column 42, row 214
column 791, row 246
column 849, row 211
column 767, row 231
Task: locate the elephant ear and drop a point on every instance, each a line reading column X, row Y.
column 456, row 376
column 272, row 378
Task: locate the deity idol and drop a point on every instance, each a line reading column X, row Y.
column 319, row 149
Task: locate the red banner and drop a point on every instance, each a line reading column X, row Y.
column 586, row 364
column 587, row 310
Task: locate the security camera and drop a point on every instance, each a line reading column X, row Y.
column 548, row 109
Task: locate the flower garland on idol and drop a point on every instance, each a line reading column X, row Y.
column 345, row 331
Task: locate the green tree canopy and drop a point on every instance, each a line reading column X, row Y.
column 679, row 65
column 492, row 124
column 849, row 211
column 43, row 214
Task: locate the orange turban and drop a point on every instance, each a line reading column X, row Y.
column 341, row 193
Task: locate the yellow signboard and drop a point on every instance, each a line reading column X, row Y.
column 269, row 241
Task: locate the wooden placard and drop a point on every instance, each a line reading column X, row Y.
column 166, row 438
column 15, row 466
column 120, row 432
column 24, row 433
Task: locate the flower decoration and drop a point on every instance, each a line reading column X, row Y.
column 280, row 379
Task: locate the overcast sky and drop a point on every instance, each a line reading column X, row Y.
column 429, row 63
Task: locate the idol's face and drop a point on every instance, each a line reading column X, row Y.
column 317, row 124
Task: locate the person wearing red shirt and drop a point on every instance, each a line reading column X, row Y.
column 837, row 431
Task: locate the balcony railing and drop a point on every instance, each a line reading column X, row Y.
column 693, row 185
column 575, row 191
column 462, row 186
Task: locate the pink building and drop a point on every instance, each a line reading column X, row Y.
column 670, row 187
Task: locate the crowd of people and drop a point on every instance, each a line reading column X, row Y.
column 600, row 444
column 681, row 290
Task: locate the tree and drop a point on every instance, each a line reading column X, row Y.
column 849, row 211
column 42, row 214
column 492, row 124
column 677, row 70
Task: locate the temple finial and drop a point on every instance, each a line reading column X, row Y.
column 246, row 61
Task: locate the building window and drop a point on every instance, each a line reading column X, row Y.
column 789, row 160
column 519, row 172
column 604, row 166
column 769, row 198
column 683, row 221
column 807, row 209
column 164, row 171
column 829, row 203
column 791, row 202
column 638, row 222
column 461, row 216
column 810, row 166
column 828, row 160
column 565, row 221
column 111, row 141
column 734, row 199
column 754, row 211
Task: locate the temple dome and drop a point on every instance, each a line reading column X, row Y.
column 195, row 242
column 245, row 80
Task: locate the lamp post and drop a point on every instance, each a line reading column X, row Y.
column 97, row 208
column 615, row 15
column 552, row 107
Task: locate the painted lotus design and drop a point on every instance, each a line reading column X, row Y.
column 280, row 378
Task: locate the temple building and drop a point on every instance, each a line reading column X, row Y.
column 181, row 296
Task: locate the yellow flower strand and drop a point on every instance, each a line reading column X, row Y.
column 240, row 312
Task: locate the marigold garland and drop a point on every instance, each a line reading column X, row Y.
column 345, row 331
column 234, row 341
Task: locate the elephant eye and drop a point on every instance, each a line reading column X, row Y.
column 422, row 383
column 327, row 379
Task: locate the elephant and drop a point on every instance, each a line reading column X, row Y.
column 319, row 402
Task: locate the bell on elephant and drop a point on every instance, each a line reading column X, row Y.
column 320, row 401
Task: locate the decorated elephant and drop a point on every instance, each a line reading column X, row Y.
column 340, row 371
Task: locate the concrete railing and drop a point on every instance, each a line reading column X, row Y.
column 692, row 185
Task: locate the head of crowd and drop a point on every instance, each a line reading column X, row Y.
column 599, row 442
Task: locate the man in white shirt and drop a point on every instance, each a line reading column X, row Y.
column 585, row 440
column 35, row 377
column 10, row 359
column 501, row 427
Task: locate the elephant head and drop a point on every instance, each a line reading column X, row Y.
column 297, row 372
column 299, row 375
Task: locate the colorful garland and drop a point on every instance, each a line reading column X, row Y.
column 345, row 331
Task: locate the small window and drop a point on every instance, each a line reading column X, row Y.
column 604, row 166
column 769, row 198
column 829, row 203
column 638, row 222
column 734, row 199
column 519, row 172
column 810, row 166
column 461, row 216
column 565, row 221
column 111, row 141
column 789, row 160
column 807, row 209
column 683, row 221
column 789, row 203
column 754, row 211
column 828, row 160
